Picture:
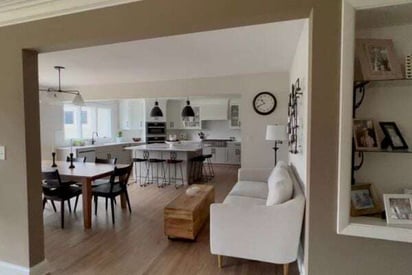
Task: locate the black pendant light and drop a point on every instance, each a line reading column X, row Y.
column 156, row 111
column 188, row 110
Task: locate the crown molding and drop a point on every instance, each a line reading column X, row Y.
column 20, row 11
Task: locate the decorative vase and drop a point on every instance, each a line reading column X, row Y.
column 119, row 139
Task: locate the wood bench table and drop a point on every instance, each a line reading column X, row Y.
column 185, row 215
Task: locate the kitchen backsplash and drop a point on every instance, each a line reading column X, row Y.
column 212, row 129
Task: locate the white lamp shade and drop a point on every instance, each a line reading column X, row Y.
column 78, row 100
column 276, row 132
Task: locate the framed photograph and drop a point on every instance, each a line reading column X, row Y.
column 365, row 135
column 364, row 200
column 398, row 208
column 377, row 59
column 393, row 135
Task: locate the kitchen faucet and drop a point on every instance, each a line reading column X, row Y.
column 93, row 140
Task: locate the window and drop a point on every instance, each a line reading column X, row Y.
column 81, row 122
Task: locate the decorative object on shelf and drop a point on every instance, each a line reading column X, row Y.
column 136, row 139
column 293, row 126
column 398, row 208
column 278, row 134
column 188, row 110
column 377, row 60
column 156, row 111
column 77, row 99
column 119, row 137
column 393, row 136
column 365, row 135
column 364, row 200
column 408, row 66
column 54, row 160
column 201, row 135
column 264, row 103
column 71, row 161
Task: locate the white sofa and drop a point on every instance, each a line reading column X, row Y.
column 244, row 227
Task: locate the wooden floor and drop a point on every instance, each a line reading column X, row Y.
column 136, row 244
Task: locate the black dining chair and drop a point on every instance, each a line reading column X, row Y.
column 98, row 182
column 79, row 159
column 56, row 190
column 116, row 186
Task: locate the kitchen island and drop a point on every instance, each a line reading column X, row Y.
column 183, row 152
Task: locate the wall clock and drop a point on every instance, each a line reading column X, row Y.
column 264, row 103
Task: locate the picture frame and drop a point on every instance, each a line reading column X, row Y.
column 365, row 135
column 377, row 60
column 398, row 208
column 393, row 136
column 364, row 200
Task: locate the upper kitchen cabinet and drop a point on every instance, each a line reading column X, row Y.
column 234, row 113
column 149, row 104
column 174, row 114
column 216, row 109
column 131, row 114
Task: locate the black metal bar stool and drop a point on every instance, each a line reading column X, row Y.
column 157, row 164
column 173, row 161
column 140, row 161
column 209, row 166
column 196, row 168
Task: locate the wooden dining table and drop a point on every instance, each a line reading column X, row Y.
column 84, row 173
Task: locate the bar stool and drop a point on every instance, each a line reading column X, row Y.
column 209, row 166
column 196, row 169
column 173, row 161
column 140, row 161
column 157, row 164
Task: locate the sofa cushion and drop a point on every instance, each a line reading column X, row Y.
column 254, row 189
column 243, row 201
column 280, row 186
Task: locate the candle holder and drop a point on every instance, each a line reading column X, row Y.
column 54, row 160
column 71, row 161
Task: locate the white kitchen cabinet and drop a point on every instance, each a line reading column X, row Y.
column 234, row 155
column 131, row 114
column 215, row 111
column 219, row 154
column 234, row 112
column 174, row 114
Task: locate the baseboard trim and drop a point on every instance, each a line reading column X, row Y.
column 41, row 268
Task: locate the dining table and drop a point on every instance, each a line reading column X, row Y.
column 84, row 173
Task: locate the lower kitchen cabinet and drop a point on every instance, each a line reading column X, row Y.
column 224, row 155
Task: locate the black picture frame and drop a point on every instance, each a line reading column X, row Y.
column 393, row 136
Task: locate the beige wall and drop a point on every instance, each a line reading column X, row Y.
column 256, row 151
column 328, row 253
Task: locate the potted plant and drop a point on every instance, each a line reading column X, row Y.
column 119, row 137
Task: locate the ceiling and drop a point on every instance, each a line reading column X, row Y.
column 235, row 51
column 19, row 11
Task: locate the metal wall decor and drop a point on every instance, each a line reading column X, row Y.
column 293, row 117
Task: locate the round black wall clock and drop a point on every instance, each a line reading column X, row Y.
column 264, row 103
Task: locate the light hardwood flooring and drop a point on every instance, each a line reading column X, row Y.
column 137, row 244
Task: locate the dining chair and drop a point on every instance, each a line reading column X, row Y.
column 116, row 186
column 56, row 190
column 79, row 159
column 98, row 182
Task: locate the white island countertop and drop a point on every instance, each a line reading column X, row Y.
column 166, row 147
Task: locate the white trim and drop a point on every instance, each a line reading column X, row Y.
column 20, row 11
column 41, row 268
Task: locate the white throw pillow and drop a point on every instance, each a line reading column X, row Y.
column 280, row 186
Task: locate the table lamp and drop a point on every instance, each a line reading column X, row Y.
column 278, row 134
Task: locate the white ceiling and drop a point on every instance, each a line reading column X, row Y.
column 243, row 50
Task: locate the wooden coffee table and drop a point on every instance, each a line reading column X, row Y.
column 185, row 215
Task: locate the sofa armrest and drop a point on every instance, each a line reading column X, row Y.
column 254, row 174
column 263, row 233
